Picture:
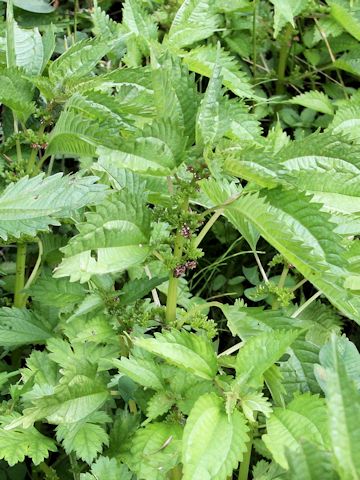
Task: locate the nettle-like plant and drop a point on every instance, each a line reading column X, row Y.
column 127, row 378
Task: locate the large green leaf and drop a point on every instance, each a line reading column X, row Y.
column 141, row 368
column 346, row 16
column 29, row 49
column 118, row 231
column 32, row 204
column 16, row 93
column 107, row 469
column 304, row 419
column 213, row 441
column 35, row 6
column 310, row 463
column 185, row 350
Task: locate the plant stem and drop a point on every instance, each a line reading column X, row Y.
column 19, row 296
column 36, row 266
column 74, row 466
column 207, row 227
column 283, row 56
column 261, row 268
column 245, row 464
column 10, row 36
column 306, row 304
column 171, row 300
column 175, row 473
column 283, row 276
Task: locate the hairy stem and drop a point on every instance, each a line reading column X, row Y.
column 283, row 56
column 19, row 296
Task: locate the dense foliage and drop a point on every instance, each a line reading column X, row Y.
column 179, row 218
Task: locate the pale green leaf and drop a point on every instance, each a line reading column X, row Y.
column 107, row 469
column 285, row 11
column 159, row 404
column 142, row 369
column 346, row 16
column 29, row 49
column 185, row 350
column 56, row 292
column 16, row 93
column 310, row 462
column 35, row 6
column 213, row 441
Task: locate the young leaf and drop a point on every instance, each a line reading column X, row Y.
column 185, row 350
column 141, row 368
column 285, row 11
column 213, row 441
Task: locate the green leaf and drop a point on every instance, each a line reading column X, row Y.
column 315, row 100
column 141, row 368
column 85, row 438
column 56, row 292
column 349, row 62
column 155, row 450
column 208, row 117
column 18, row 443
column 32, row 204
column 272, row 345
column 29, row 49
column 118, row 231
column 138, row 288
column 16, row 93
column 304, row 419
column 213, row 441
column 195, row 20
column 185, row 350
column 285, row 11
column 107, row 469
column 347, row 120
column 35, row 6
column 310, row 463
column 202, row 60
column 346, row 16
column 21, row 327
column 159, row 404
column 137, row 21
column 343, row 401
column 303, row 233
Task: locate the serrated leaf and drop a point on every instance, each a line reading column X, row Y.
column 185, row 350
column 21, row 327
column 195, row 20
column 118, row 231
column 18, row 443
column 155, row 450
column 32, row 204
column 142, row 369
column 213, row 442
column 315, row 100
column 285, row 11
column 138, row 288
column 56, row 292
column 107, row 469
column 159, row 404
column 85, row 439
column 310, row 463
column 16, row 93
column 29, row 49
column 267, row 348
column 202, row 60
column 304, row 419
column 347, row 17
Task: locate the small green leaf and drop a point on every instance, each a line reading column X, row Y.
column 315, row 100
column 21, row 327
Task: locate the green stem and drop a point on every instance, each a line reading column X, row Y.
column 245, row 464
column 175, row 473
column 74, row 466
column 306, row 304
column 171, row 300
column 19, row 296
column 207, row 227
column 36, row 266
column 283, row 56
column 254, row 40
column 283, row 276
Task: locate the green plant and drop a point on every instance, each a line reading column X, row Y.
column 130, row 348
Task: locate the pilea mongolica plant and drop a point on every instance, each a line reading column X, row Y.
column 179, row 221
